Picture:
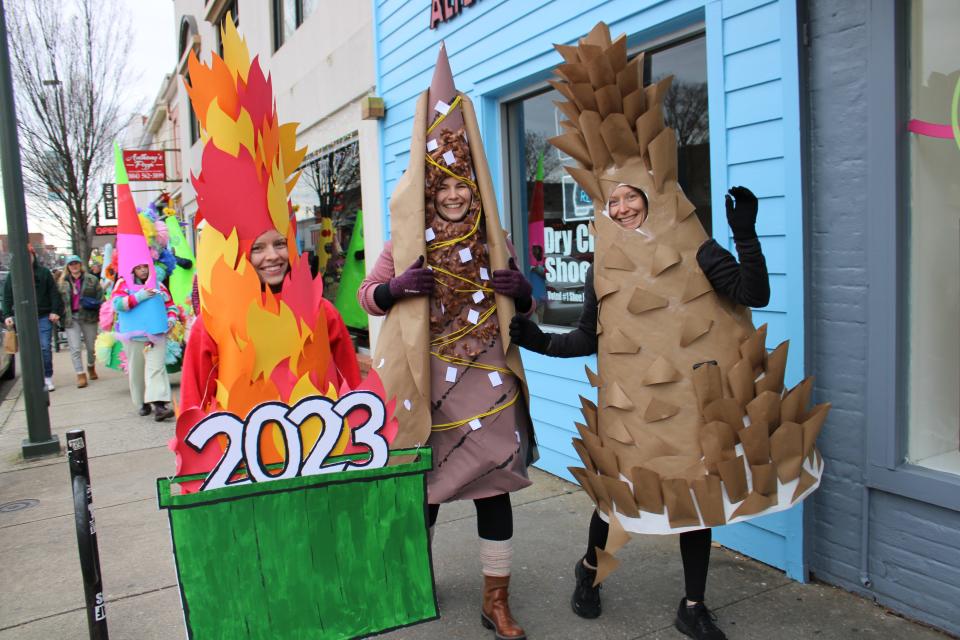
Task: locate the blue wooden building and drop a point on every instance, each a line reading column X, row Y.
column 734, row 61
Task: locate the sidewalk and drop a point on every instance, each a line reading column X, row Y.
column 42, row 596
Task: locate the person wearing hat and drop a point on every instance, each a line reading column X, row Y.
column 82, row 296
column 49, row 310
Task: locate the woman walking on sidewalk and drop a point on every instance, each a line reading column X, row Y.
column 82, row 296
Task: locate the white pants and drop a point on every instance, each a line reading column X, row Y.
column 146, row 366
column 78, row 335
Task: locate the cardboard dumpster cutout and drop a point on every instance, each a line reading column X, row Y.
column 288, row 521
column 694, row 427
column 350, row 278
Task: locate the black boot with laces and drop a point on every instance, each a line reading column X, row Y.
column 586, row 597
column 697, row 622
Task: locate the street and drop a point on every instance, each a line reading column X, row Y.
column 43, row 595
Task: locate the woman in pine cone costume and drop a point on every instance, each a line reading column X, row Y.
column 694, row 428
column 448, row 286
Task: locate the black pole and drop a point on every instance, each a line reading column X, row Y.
column 39, row 442
column 86, row 534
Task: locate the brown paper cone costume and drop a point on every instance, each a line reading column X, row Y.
column 709, row 445
column 447, row 359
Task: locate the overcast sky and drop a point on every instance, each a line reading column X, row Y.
column 153, row 54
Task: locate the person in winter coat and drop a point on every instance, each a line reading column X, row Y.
column 49, row 310
column 146, row 355
column 82, row 295
column 745, row 283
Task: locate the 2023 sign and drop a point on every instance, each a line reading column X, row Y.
column 244, row 438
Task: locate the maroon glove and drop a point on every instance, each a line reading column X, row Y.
column 415, row 281
column 510, row 282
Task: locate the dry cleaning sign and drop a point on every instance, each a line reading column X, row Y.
column 563, row 247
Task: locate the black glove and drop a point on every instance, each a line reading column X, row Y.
column 184, row 263
column 742, row 214
column 525, row 333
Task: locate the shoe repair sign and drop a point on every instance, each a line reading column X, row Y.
column 144, row 165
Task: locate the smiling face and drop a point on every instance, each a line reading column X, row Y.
column 453, row 199
column 627, row 206
column 270, row 257
column 75, row 268
column 141, row 271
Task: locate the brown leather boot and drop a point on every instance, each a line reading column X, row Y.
column 495, row 613
column 92, row 372
column 81, row 380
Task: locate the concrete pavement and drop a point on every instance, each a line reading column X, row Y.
column 42, row 594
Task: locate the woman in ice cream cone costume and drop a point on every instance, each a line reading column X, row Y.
column 694, row 428
column 448, row 285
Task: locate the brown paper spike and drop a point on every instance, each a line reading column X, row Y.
column 734, row 478
column 587, row 181
column 566, row 90
column 693, row 327
column 753, row 504
column 589, row 51
column 660, row 372
column 806, row 481
column 812, row 426
column 658, row 409
column 633, row 104
column 589, row 410
column 681, row 512
column 570, row 53
column 615, row 258
column 618, row 137
column 599, row 37
column 622, row 497
column 663, row 158
column 573, row 72
column 776, row 366
column 756, row 443
column 604, row 286
column 629, row 80
column 710, row 500
column 572, row 144
column 754, row 350
column 765, row 408
column 764, row 478
column 581, row 450
column 642, row 301
column 591, row 439
column 791, row 409
column 725, row 410
column 606, row 564
column 697, row 285
column 609, row 101
column 584, row 97
column 717, row 440
column 590, row 122
column 594, row 379
column 615, row 396
column 621, row 343
column 569, row 109
column 740, row 378
column 649, row 125
column 664, row 257
column 606, row 461
column 786, row 450
column 617, row 53
column 581, row 476
column 614, row 428
column 685, row 208
column 646, row 489
column 707, row 384
column 600, row 72
column 567, row 126
column 617, row 537
column 656, row 92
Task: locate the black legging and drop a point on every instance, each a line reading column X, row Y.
column 694, row 551
column 494, row 517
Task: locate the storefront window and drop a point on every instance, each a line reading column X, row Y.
column 551, row 219
column 327, row 205
column 933, row 301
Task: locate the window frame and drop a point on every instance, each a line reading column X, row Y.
column 277, row 11
column 887, row 420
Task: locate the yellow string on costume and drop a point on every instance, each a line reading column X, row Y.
column 477, row 286
column 459, row 334
column 443, row 116
column 459, row 423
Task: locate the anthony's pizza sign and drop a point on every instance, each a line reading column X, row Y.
column 144, row 165
column 445, row 10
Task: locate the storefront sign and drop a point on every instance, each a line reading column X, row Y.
column 446, row 10
column 105, row 230
column 144, row 165
column 564, row 268
column 109, row 202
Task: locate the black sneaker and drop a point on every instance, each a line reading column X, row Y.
column 586, row 597
column 161, row 411
column 697, row 622
column 145, row 410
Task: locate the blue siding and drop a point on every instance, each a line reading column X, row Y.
column 498, row 47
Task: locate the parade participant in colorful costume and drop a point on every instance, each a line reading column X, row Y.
column 264, row 332
column 694, row 428
column 448, row 286
column 82, row 299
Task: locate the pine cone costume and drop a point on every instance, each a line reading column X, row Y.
column 694, row 428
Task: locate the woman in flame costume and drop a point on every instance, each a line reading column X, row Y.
column 445, row 300
column 264, row 332
column 694, row 428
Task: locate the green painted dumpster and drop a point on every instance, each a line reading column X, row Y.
column 340, row 555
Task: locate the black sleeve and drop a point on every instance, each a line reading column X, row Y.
column 746, row 282
column 582, row 341
column 383, row 297
column 7, row 307
column 56, row 299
